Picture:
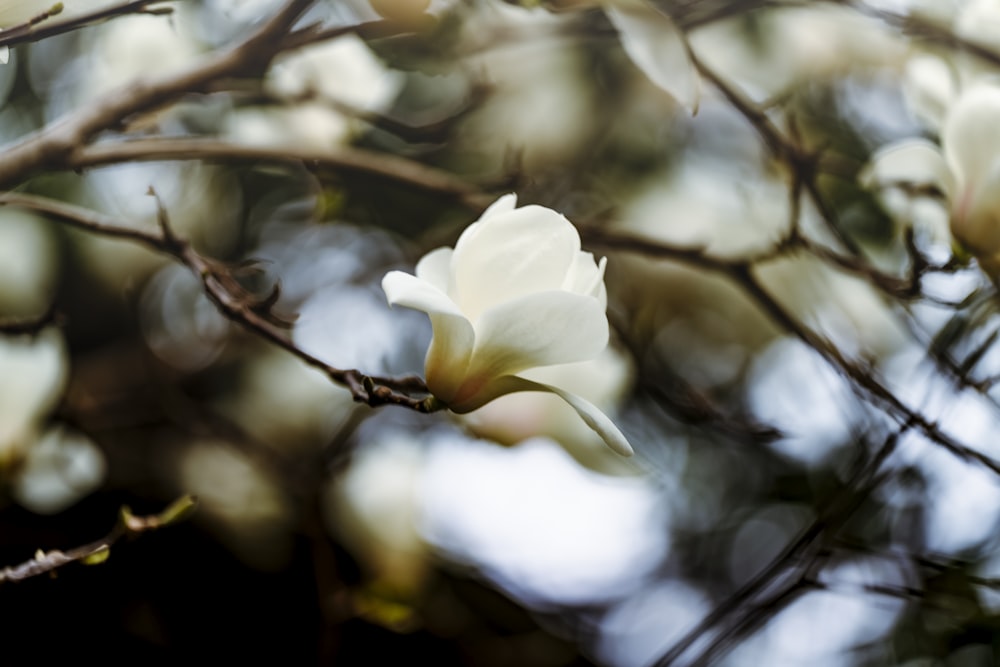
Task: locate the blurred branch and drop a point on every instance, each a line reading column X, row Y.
column 919, row 27
column 43, row 25
column 393, row 168
column 221, row 287
column 741, row 272
column 52, row 146
column 30, row 325
column 128, row 526
column 758, row 599
column 802, row 163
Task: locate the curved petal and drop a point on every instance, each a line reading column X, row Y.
column 592, row 417
column 656, row 46
column 586, row 276
column 447, row 363
column 510, row 255
column 504, row 204
column 929, row 86
column 913, row 162
column 435, row 268
column 970, row 139
column 402, row 289
column 541, row 329
column 451, row 346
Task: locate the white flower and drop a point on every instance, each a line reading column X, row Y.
column 315, row 82
column 515, row 293
column 657, row 47
column 965, row 170
column 32, row 377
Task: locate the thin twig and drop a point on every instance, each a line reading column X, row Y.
column 47, row 24
column 839, row 509
column 128, row 526
column 220, row 287
column 28, row 326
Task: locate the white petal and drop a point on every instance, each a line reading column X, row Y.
column 592, row 417
column 970, row 139
column 539, row 329
column 656, row 46
column 435, row 268
column 59, row 469
column 596, row 420
column 976, row 222
column 586, row 276
column 451, row 347
column 510, row 255
column 402, row 289
column 979, row 22
column 33, row 372
column 913, row 162
column 930, row 88
column 447, row 364
column 505, row 204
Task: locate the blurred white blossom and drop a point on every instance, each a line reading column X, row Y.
column 964, row 171
column 556, row 92
column 657, row 48
column 59, row 469
column 375, row 508
column 241, row 498
column 33, row 371
column 319, row 86
column 29, row 264
column 515, row 293
column 804, row 43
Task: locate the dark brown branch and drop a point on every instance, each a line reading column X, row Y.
column 51, row 146
column 218, row 284
column 799, row 161
column 127, row 527
column 28, row 326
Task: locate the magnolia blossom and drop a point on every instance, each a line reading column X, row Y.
column 515, row 293
column 965, row 170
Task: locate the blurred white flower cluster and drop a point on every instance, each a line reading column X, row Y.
column 50, row 467
column 947, row 188
column 318, row 93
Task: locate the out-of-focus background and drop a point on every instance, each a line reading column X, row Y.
column 802, row 353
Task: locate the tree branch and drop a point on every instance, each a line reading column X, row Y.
column 127, row 527
column 235, row 304
column 385, row 166
column 51, row 146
